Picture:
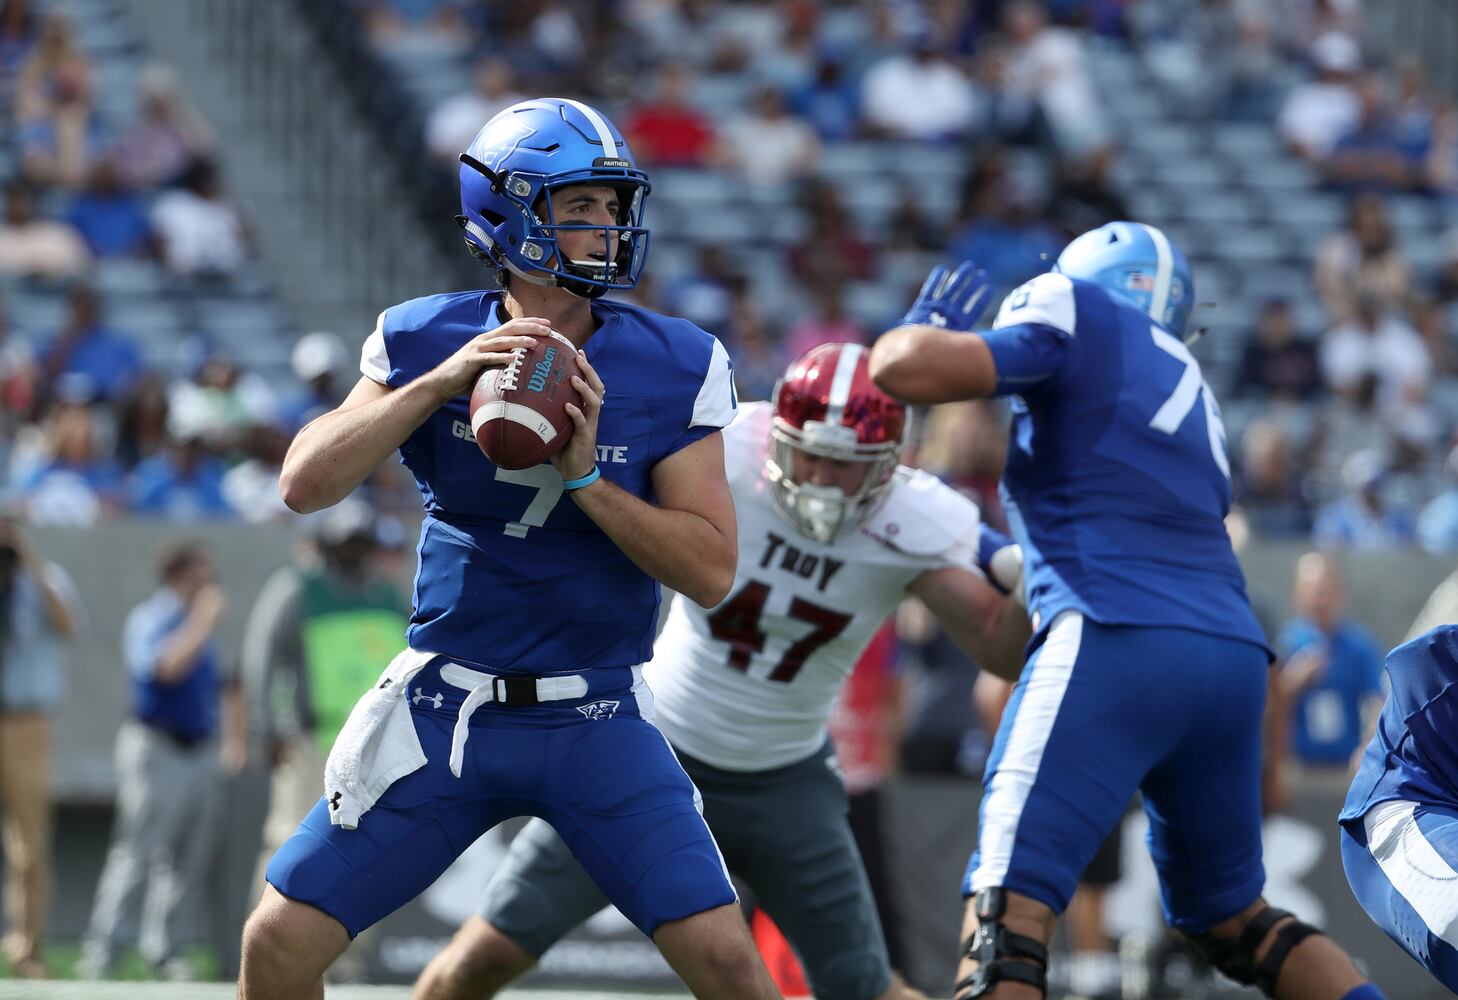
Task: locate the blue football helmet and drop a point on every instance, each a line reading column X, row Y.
column 1139, row 264
column 508, row 175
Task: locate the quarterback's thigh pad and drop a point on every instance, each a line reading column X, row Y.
column 403, row 843
column 540, row 892
column 630, row 815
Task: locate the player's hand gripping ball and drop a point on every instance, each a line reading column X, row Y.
column 519, row 412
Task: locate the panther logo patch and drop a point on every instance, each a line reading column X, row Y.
column 599, row 710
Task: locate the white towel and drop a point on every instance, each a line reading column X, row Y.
column 377, row 746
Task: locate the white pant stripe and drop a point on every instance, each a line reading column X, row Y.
column 1002, row 809
column 1413, row 865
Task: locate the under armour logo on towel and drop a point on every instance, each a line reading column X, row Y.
column 334, row 800
column 420, row 695
column 599, row 709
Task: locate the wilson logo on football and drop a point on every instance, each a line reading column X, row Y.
column 542, row 370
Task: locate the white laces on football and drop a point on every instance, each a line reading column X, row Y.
column 479, row 695
column 507, row 379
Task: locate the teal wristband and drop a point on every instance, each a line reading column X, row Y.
column 587, row 480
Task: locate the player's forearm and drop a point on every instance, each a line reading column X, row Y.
column 925, row 364
column 683, row 551
column 996, row 642
column 182, row 652
column 330, row 457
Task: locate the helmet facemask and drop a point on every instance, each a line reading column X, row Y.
column 823, row 512
column 625, row 244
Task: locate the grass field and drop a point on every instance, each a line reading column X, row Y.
column 15, row 989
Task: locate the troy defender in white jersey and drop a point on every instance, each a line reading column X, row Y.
column 801, row 609
column 833, row 534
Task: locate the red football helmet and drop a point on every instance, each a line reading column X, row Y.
column 827, row 407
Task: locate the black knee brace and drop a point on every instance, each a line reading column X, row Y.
column 1000, row 954
column 1236, row 956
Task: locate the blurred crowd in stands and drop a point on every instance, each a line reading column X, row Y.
column 1340, row 432
column 114, row 203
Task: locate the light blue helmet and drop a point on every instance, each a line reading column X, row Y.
column 1137, row 263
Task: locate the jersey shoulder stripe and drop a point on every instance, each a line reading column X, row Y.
column 1047, row 299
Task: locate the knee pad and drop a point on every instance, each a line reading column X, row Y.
column 1001, row 955
column 1235, row 957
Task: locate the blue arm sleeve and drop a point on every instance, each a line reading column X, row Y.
column 1026, row 355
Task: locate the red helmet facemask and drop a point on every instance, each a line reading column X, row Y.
column 827, row 408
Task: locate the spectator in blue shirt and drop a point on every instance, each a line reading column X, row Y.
column 184, row 482
column 168, row 771
column 86, row 346
column 112, row 219
column 74, row 484
column 1330, row 684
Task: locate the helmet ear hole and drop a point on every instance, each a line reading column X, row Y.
column 495, row 218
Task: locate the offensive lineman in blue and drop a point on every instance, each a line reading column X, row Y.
column 1400, row 821
column 1147, row 669
column 537, row 592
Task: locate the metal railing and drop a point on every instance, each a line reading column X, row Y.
column 1426, row 29
column 341, row 238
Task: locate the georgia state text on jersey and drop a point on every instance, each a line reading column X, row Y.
column 512, row 573
column 1116, row 483
column 749, row 685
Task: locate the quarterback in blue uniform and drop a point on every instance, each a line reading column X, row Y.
column 1400, row 821
column 1147, row 669
column 521, row 692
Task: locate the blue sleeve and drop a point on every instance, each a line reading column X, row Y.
column 1025, row 355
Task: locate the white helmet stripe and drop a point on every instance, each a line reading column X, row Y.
column 1163, row 273
column 604, row 134
column 840, row 384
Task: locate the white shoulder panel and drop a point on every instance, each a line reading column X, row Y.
column 715, row 404
column 374, row 360
column 925, row 518
column 1047, row 299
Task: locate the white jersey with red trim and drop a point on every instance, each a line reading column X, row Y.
column 749, row 685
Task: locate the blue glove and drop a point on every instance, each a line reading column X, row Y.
column 1001, row 561
column 954, row 300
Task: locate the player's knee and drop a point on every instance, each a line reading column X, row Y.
column 1252, row 951
column 266, row 942
column 479, row 962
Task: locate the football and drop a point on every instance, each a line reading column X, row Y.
column 519, row 412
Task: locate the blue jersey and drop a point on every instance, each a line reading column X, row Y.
column 513, row 575
column 1327, row 724
column 1116, row 484
column 1414, row 753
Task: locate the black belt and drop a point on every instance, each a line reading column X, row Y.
column 182, row 741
